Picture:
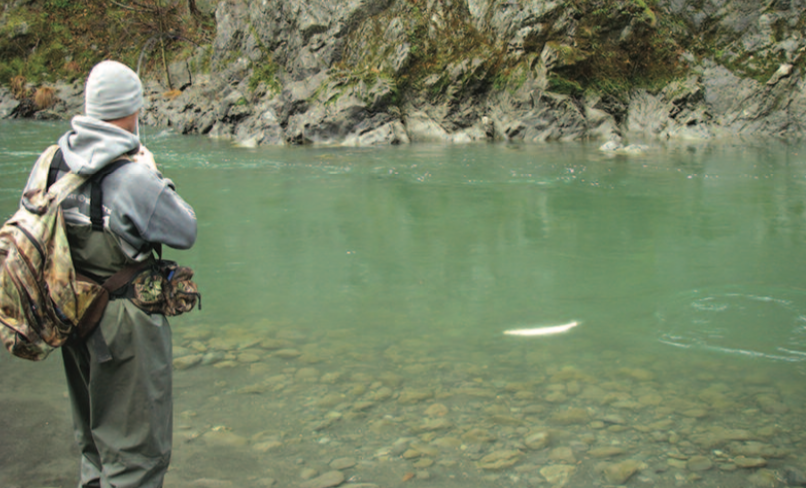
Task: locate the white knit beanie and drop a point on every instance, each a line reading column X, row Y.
column 113, row 91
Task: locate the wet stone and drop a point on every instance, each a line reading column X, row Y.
column 699, row 463
column 556, row 397
column 651, row 399
column 330, row 400
column 758, row 449
column 274, row 344
column 537, row 441
column 211, row 483
column 287, row 353
column 506, row 420
column 342, row 463
column 478, row 436
column 225, row 364
column 476, row 392
column 497, row 460
column 763, row 478
column 186, row 362
column 212, row 357
column 613, row 419
column 557, row 475
column 619, row 473
column 424, row 449
column 696, row 413
column 267, row 446
column 423, row 463
column 360, row 406
column 794, row 476
column 638, row 374
column 436, row 410
column 563, row 454
column 677, row 463
column 248, row 357
column 408, row 397
column 605, row 451
column 357, row 390
column 451, row 442
column 326, row 480
column 224, row 344
column 571, row 416
column 307, row 374
column 431, row 425
column 745, row 462
column 381, row 394
column 330, row 378
column 223, row 438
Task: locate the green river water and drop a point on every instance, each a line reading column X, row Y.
column 355, row 303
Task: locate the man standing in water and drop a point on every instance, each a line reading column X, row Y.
column 119, row 376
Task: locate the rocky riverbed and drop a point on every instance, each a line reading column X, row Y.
column 399, row 71
column 323, row 409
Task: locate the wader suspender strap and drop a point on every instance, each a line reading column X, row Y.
column 96, row 193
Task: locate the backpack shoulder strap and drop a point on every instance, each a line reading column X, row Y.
column 57, row 164
column 97, row 194
column 38, row 196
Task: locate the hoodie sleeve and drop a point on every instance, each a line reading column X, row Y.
column 145, row 208
column 173, row 221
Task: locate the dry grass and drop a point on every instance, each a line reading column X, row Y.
column 72, row 68
column 44, row 97
column 18, row 88
column 170, row 95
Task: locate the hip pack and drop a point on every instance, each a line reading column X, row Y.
column 163, row 287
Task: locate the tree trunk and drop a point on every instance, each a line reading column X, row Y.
column 193, row 9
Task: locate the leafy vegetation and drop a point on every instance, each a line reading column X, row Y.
column 46, row 40
column 620, row 46
column 266, row 70
column 614, row 47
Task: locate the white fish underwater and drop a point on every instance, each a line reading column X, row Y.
column 541, row 331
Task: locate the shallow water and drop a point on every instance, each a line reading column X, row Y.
column 354, row 304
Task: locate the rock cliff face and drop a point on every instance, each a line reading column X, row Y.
column 366, row 72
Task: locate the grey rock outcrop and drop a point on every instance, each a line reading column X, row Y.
column 369, row 72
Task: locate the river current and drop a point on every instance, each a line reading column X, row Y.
column 355, row 304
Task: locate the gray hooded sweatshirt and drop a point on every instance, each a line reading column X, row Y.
column 141, row 208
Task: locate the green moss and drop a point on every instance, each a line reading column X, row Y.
column 558, row 84
column 433, row 46
column 757, row 67
column 512, row 78
column 265, row 72
column 618, row 47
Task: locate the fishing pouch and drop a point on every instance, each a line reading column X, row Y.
column 164, row 288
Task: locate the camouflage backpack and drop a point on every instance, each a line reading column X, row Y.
column 42, row 300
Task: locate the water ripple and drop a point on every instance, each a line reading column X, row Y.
column 749, row 323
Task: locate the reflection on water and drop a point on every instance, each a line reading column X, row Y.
column 355, row 304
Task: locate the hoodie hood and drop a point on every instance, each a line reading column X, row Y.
column 93, row 144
